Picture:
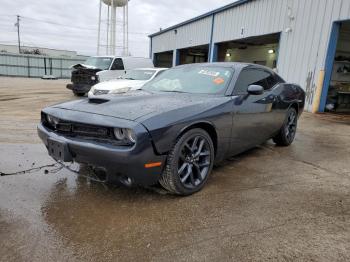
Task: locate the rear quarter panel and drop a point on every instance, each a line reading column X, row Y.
column 287, row 95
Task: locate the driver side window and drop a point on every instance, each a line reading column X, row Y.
column 251, row 77
column 117, row 64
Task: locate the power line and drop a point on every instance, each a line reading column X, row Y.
column 28, row 30
column 79, row 37
column 76, row 27
column 58, row 24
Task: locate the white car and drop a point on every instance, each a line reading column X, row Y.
column 131, row 80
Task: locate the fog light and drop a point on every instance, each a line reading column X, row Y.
column 125, row 180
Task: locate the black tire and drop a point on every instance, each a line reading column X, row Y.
column 78, row 93
column 286, row 135
column 189, row 163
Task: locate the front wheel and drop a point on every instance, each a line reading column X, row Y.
column 189, row 163
column 287, row 133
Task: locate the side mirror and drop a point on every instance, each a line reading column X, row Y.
column 255, row 90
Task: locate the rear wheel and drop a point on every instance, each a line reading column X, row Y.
column 78, row 93
column 189, row 163
column 287, row 133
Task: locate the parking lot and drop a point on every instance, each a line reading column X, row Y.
column 271, row 203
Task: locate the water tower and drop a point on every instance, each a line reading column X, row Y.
column 112, row 6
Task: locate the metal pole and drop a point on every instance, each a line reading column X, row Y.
column 124, row 36
column 45, row 65
column 61, row 65
column 99, row 29
column 18, row 36
column 28, row 65
column 113, row 22
column 127, row 28
column 107, row 43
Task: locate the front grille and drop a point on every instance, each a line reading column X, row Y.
column 68, row 128
column 77, row 129
column 86, row 131
column 84, row 77
column 100, row 92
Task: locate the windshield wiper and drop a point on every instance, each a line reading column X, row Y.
column 129, row 78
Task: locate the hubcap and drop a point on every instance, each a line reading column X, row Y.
column 194, row 161
column 291, row 125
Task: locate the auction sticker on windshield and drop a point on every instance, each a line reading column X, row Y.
column 219, row 81
column 209, row 73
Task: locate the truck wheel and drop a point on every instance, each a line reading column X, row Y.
column 286, row 135
column 78, row 93
column 189, row 163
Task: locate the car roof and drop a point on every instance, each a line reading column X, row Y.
column 235, row 65
column 123, row 57
column 151, row 68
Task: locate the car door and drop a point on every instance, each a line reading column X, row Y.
column 253, row 115
column 116, row 70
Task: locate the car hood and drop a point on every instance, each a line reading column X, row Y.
column 138, row 104
column 83, row 66
column 119, row 83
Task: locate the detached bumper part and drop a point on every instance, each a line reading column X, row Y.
column 120, row 162
column 79, row 88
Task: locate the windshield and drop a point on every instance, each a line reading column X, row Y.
column 192, row 79
column 99, row 62
column 139, row 74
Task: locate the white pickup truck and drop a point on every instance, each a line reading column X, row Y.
column 103, row 68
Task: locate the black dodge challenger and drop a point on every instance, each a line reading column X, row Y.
column 177, row 126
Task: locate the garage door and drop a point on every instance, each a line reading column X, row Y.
column 261, row 50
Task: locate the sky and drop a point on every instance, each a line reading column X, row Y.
column 72, row 24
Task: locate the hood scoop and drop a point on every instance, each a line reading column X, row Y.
column 98, row 100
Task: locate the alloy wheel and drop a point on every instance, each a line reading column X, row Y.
column 291, row 125
column 194, row 161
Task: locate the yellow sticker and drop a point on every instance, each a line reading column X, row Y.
column 219, row 81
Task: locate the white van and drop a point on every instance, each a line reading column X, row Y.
column 103, row 68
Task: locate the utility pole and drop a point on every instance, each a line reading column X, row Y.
column 19, row 39
column 99, row 29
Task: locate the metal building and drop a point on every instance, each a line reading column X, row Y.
column 307, row 41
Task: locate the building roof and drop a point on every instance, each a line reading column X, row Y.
column 213, row 12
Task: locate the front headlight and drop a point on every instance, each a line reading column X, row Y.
column 93, row 78
column 120, row 90
column 125, row 135
column 53, row 121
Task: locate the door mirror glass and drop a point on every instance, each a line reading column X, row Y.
column 255, row 90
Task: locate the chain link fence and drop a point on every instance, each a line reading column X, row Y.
column 36, row 65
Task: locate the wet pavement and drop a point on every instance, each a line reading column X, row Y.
column 271, row 203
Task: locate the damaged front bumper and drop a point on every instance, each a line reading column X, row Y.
column 120, row 163
column 79, row 88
